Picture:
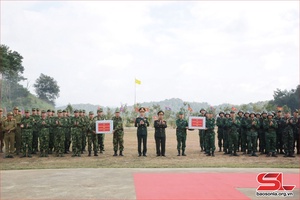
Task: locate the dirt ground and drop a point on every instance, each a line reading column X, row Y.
column 194, row 158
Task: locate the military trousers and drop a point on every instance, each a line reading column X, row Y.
column 59, row 141
column 35, row 140
column 9, row 141
column 142, row 140
column 252, row 141
column 18, row 139
column 118, row 141
column 92, row 140
column 210, row 141
column 262, row 140
column 101, row 138
column 181, row 141
column 1, row 140
column 233, row 141
column 225, row 140
column 202, row 139
column 288, row 141
column 160, row 146
column 44, row 141
column 76, row 140
column 27, row 141
column 243, row 140
column 220, row 137
column 279, row 139
column 67, row 139
column 270, row 141
column 83, row 139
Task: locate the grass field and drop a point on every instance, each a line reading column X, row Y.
column 194, row 158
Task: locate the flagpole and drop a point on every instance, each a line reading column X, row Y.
column 134, row 93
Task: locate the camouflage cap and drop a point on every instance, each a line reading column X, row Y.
column 202, row 109
column 257, row 113
column 117, row 110
column 48, row 110
column 27, row 111
column 33, row 109
column 264, row 112
column 227, row 113
column 91, row 113
column 232, row 111
column 37, row 109
column 59, row 111
column 1, row 110
column 76, row 111
column 252, row 113
column 210, row 112
column 160, row 112
column 240, row 111
column 270, row 114
column 43, row 111
column 83, row 111
column 10, row 114
column 64, row 111
column 180, row 113
column 16, row 108
column 80, row 111
column 142, row 109
column 247, row 112
column 221, row 112
column 99, row 110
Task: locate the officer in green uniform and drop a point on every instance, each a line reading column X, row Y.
column 92, row 137
column 118, row 133
column 27, row 123
column 101, row 136
column 181, row 129
column 9, row 126
column 202, row 132
column 210, row 135
column 288, row 136
column 252, row 125
column 18, row 138
column 279, row 132
column 76, row 130
column 226, row 134
column 142, row 123
column 160, row 126
column 51, row 118
column 270, row 126
column 220, row 124
column 59, row 137
column 35, row 131
column 43, row 125
column 240, row 118
column 2, row 118
column 84, row 129
column 233, row 123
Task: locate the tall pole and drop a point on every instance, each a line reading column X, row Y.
column 134, row 93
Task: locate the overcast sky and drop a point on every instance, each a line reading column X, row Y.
column 215, row 52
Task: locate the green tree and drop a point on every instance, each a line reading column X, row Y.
column 47, row 89
column 69, row 108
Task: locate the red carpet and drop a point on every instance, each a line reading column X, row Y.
column 163, row 186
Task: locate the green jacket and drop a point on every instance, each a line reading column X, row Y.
column 181, row 126
column 141, row 128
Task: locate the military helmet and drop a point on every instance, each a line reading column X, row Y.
column 264, row 112
column 247, row 112
column 257, row 113
column 100, row 110
column 252, row 113
column 27, row 111
column 270, row 114
column 240, row 111
column 232, row 111
column 43, row 111
column 221, row 112
column 76, row 111
column 202, row 109
column 117, row 110
column 59, row 111
column 180, row 113
column 91, row 113
column 10, row 114
column 227, row 113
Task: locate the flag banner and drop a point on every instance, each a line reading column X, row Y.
column 197, row 122
column 138, row 82
column 104, row 126
column 167, row 108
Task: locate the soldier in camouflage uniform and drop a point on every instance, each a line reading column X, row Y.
column 244, row 132
column 288, row 135
column 210, row 135
column 202, row 132
column 51, row 131
column 9, row 127
column 92, row 137
column 270, row 126
column 35, row 131
column 220, row 124
column 43, row 125
column 262, row 134
column 85, row 122
column 76, row 130
column 182, row 126
column 18, row 138
column 233, row 123
column 2, row 118
column 279, row 132
column 101, row 136
column 59, row 137
column 252, row 125
column 67, row 132
column 27, row 123
column 118, row 133
column 226, row 134
column 240, row 117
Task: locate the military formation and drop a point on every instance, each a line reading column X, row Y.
column 49, row 132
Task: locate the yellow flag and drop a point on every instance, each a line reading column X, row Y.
column 138, row 82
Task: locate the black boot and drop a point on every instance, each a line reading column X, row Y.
column 274, row 154
column 95, row 153
column 235, row 154
column 254, row 154
column 291, row 154
column 286, row 154
column 183, row 154
column 89, row 153
column 115, row 153
column 220, row 149
column 121, row 154
column 178, row 153
column 208, row 154
column 213, row 154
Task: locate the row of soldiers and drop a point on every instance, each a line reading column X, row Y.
column 268, row 133
column 50, row 133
